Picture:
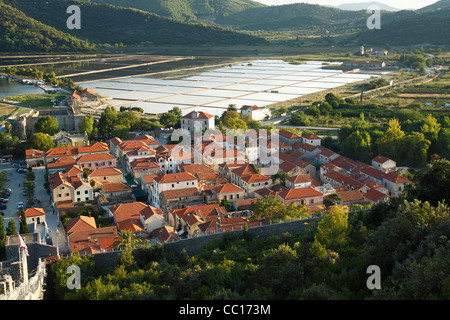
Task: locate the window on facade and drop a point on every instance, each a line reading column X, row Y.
column 78, row 199
column 67, row 194
column 86, row 191
column 78, row 193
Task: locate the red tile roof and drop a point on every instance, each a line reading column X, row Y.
column 299, row 193
column 105, row 172
column 200, row 115
column 374, row 195
column 175, row 177
column 95, row 157
column 80, row 223
column 381, row 159
column 300, row 178
column 32, row 212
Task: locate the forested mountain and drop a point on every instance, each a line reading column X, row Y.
column 442, row 4
column 186, row 10
column 298, row 15
column 107, row 24
column 19, row 33
column 364, row 5
column 416, row 28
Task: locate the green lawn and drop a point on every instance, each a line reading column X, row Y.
column 37, row 100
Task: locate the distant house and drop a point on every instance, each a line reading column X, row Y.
column 351, row 197
column 384, row 164
column 375, row 196
column 171, row 181
column 80, row 223
column 34, row 157
column 301, row 196
column 166, row 234
column 137, row 217
column 93, row 240
column 229, row 191
column 311, row 139
column 97, row 161
column 256, row 113
column 65, row 138
column 197, row 121
column 79, row 98
column 106, row 175
column 299, row 181
column 33, row 215
column 289, row 137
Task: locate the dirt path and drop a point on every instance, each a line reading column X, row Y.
column 120, row 68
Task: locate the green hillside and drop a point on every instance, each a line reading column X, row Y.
column 107, row 24
column 19, row 33
column 437, row 6
column 418, row 28
column 186, row 10
column 299, row 15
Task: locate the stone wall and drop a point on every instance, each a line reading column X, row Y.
column 194, row 245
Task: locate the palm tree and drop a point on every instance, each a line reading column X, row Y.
column 126, row 238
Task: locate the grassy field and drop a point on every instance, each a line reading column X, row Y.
column 37, row 100
column 7, row 111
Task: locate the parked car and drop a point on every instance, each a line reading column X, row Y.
column 25, row 193
column 5, row 200
column 3, row 206
column 19, row 206
column 7, row 189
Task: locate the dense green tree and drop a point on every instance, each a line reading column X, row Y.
column 47, row 124
column 40, row 141
column 333, row 229
column 389, row 145
column 107, row 122
column 87, row 125
column 11, row 230
column 358, row 146
column 413, row 150
column 432, row 183
column 23, row 228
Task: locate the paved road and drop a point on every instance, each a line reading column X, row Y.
column 15, row 183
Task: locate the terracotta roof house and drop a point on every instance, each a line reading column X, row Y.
column 228, row 191
column 106, row 175
column 196, row 122
column 375, row 196
column 55, row 153
column 351, row 197
column 301, row 196
column 91, row 241
column 34, row 157
column 189, row 218
column 33, row 215
column 80, row 223
column 166, row 234
column 97, row 161
column 289, row 137
column 171, row 181
column 137, row 217
column 299, row 181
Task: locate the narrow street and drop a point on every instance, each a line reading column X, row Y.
column 15, row 183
